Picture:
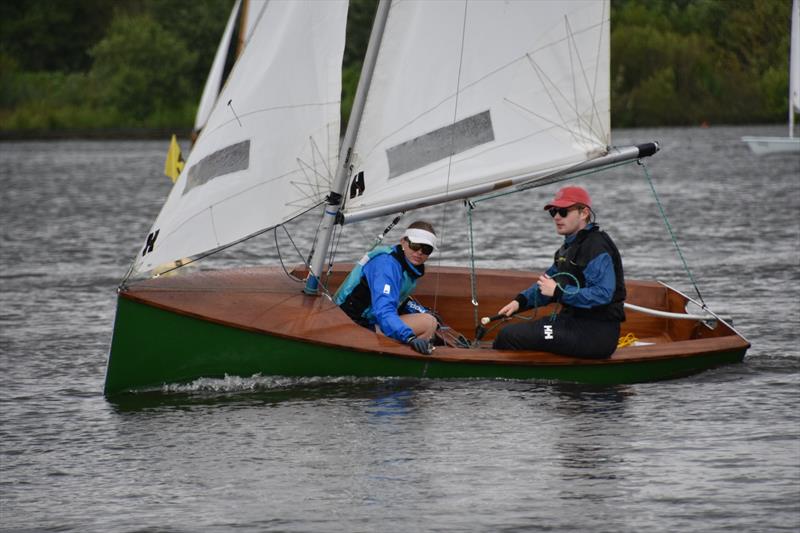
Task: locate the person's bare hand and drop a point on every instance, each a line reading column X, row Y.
column 509, row 309
column 547, row 285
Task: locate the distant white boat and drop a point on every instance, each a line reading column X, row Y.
column 773, row 145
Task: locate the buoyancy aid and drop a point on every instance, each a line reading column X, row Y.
column 572, row 258
column 354, row 296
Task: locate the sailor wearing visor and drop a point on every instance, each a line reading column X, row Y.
column 377, row 293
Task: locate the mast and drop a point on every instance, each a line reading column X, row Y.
column 794, row 66
column 243, row 14
column 334, row 199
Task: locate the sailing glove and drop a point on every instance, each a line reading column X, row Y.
column 422, row 346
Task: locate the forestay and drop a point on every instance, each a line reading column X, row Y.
column 794, row 62
column 468, row 96
column 270, row 145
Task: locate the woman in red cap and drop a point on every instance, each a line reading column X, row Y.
column 586, row 278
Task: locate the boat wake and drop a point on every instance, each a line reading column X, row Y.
column 259, row 383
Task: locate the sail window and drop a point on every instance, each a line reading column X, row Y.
column 439, row 144
column 229, row 159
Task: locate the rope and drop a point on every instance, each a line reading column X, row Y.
column 671, row 233
column 443, row 224
column 577, row 287
column 473, row 276
column 627, row 340
column 280, row 255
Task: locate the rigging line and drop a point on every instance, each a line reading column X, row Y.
column 577, row 135
column 296, row 249
column 573, row 45
column 671, row 233
column 452, row 145
column 327, row 176
column 123, row 285
column 314, row 240
column 300, row 255
column 280, row 256
column 473, row 277
column 593, row 90
column 332, row 252
column 544, row 79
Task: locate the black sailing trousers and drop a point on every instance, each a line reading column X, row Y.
column 562, row 334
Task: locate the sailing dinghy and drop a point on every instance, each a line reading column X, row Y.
column 457, row 99
column 774, row 145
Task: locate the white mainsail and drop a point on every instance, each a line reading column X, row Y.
column 470, row 95
column 270, row 146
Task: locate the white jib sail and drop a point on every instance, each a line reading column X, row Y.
column 469, row 95
column 214, row 80
column 270, row 145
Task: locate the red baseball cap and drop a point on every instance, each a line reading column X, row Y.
column 569, row 196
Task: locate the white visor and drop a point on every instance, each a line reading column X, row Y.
column 420, row 236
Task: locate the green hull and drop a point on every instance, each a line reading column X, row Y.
column 152, row 347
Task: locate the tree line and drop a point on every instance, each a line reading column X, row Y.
column 80, row 65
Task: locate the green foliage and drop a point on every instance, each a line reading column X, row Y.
column 72, row 64
column 53, row 35
column 692, row 61
column 350, row 75
column 201, row 35
column 360, row 15
column 141, row 68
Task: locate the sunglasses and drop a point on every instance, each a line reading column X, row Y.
column 427, row 249
column 561, row 211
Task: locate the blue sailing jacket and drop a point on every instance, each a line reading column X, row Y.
column 593, row 259
column 377, row 291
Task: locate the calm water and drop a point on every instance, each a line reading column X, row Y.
column 718, row 451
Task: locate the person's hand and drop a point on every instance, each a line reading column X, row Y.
column 547, row 285
column 509, row 309
column 422, row 346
